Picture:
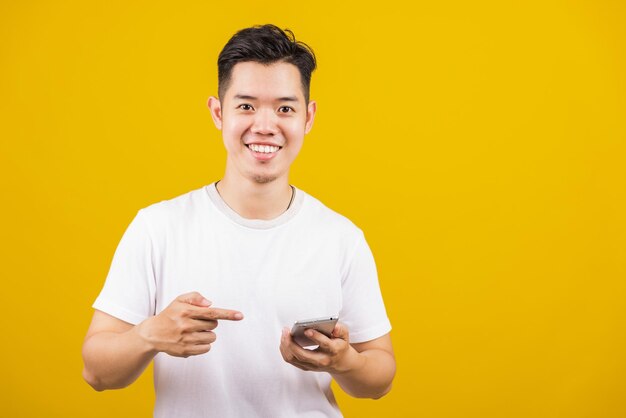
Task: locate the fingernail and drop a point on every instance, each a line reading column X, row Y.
column 309, row 333
column 238, row 315
column 205, row 301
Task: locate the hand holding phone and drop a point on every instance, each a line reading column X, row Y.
column 324, row 325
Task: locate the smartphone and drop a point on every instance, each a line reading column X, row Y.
column 324, row 325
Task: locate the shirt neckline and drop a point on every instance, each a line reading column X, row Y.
column 227, row 211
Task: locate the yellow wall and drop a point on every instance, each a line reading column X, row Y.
column 480, row 145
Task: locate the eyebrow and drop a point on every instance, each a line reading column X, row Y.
column 278, row 99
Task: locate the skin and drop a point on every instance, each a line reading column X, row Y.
column 115, row 352
column 253, row 110
column 264, row 104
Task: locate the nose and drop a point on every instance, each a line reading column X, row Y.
column 264, row 123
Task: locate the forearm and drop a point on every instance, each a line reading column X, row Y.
column 114, row 360
column 369, row 373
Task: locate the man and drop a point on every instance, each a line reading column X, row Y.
column 253, row 243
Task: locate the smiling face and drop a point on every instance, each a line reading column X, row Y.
column 263, row 117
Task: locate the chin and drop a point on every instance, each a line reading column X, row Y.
column 263, row 179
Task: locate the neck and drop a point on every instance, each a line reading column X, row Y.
column 253, row 200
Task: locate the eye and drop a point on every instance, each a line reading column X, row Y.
column 285, row 109
column 245, row 107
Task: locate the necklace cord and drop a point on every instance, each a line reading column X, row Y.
column 293, row 194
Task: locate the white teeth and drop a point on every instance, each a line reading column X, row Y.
column 266, row 149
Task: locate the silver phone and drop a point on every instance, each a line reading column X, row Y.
column 324, row 325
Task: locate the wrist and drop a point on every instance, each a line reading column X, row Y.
column 142, row 331
column 351, row 361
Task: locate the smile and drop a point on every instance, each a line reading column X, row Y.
column 264, row 149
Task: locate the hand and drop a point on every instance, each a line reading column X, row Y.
column 334, row 355
column 185, row 327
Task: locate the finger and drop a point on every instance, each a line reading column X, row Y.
column 197, row 349
column 285, row 341
column 302, row 366
column 217, row 313
column 194, row 298
column 311, row 357
column 202, row 338
column 320, row 339
column 283, row 347
column 341, row 331
column 291, row 345
column 308, row 359
column 288, row 346
column 287, row 354
column 202, row 325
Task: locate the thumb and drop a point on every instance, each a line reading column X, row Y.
column 340, row 331
column 194, row 298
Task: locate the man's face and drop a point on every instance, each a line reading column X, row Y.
column 263, row 117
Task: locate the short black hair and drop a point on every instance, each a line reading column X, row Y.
column 265, row 44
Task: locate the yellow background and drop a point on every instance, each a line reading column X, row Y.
column 479, row 145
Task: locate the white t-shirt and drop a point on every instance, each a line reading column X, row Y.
column 309, row 262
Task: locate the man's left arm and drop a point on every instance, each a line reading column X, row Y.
column 363, row 370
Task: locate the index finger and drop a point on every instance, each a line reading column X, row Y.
column 322, row 340
column 213, row 314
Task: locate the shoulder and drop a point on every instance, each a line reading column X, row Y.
column 182, row 208
column 327, row 220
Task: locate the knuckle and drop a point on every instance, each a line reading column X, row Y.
column 188, row 297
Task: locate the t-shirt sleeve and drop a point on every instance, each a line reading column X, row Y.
column 129, row 292
column 363, row 309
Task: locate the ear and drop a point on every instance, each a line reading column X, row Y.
column 216, row 111
column 310, row 116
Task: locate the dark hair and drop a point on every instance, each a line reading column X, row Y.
column 266, row 44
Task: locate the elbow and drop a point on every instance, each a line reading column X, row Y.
column 382, row 393
column 99, row 384
column 387, row 388
column 372, row 393
column 93, row 381
column 88, row 375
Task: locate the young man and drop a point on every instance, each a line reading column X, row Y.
column 252, row 243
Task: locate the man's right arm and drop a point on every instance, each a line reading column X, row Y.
column 115, row 353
